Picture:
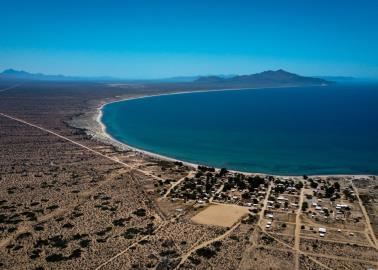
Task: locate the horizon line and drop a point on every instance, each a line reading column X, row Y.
column 111, row 77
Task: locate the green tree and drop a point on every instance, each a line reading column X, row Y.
column 304, row 206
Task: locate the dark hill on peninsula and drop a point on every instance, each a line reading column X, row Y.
column 264, row 79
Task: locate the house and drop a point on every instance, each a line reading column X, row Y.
column 322, row 230
column 341, row 206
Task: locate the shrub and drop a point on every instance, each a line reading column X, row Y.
column 217, row 244
column 75, row 254
column 143, row 242
column 55, row 258
column 38, row 228
column 68, row 226
column 23, row 235
column 58, row 241
column 234, row 237
column 206, row 252
column 140, row 212
column 168, row 252
column 52, row 207
column 84, row 243
column 267, row 239
column 35, row 253
column 78, row 236
column 131, row 233
column 195, row 261
column 304, row 206
column 119, row 222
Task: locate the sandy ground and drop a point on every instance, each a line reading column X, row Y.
column 220, row 215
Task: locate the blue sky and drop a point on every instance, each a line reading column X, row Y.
column 149, row 39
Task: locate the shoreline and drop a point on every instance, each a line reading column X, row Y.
column 117, row 143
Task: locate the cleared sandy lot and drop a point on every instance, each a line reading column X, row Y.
column 220, row 215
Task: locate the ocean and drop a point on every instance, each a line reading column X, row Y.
column 283, row 131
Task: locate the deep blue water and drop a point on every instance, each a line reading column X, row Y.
column 287, row 131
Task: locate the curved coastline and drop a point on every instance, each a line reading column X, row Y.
column 104, row 133
column 110, row 137
column 155, row 155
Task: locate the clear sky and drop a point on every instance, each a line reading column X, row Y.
column 146, row 39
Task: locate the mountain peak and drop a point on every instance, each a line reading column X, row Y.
column 278, row 77
column 23, row 75
column 12, row 71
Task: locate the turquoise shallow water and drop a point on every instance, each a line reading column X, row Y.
column 286, row 131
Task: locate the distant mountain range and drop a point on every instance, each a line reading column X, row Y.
column 12, row 74
column 180, row 79
column 264, row 79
